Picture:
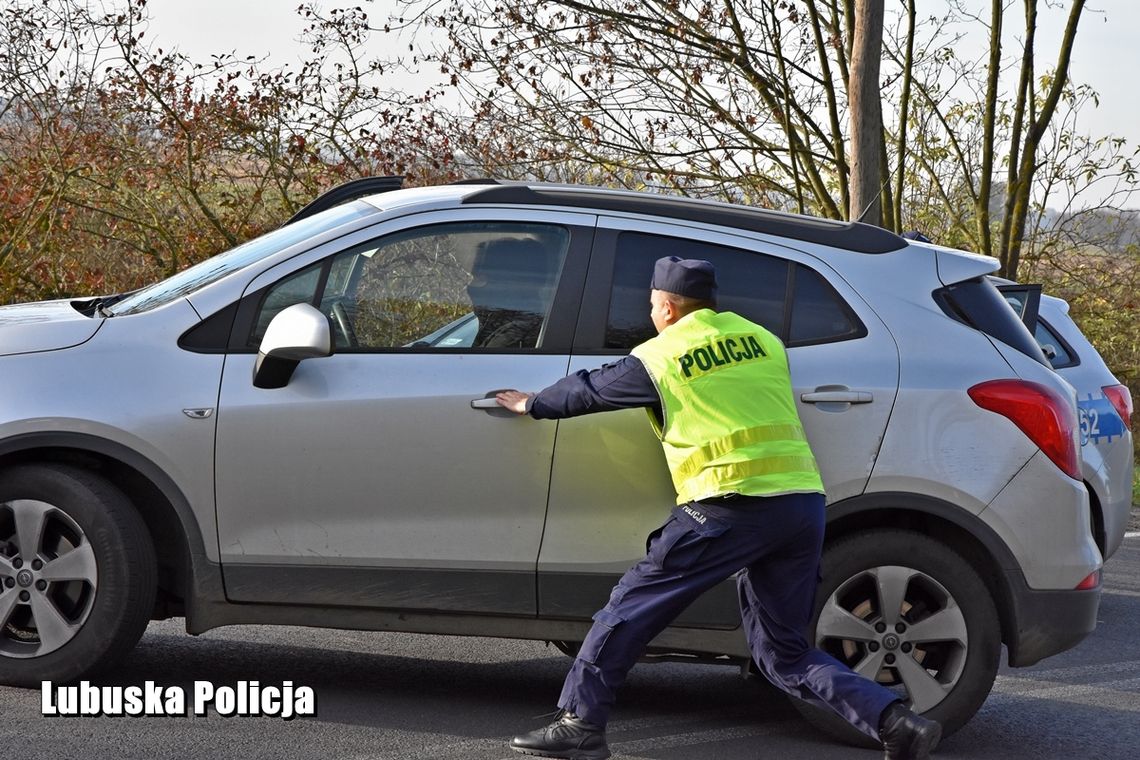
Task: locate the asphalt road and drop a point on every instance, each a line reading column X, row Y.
column 426, row 697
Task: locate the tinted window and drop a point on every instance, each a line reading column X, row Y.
column 471, row 285
column 978, row 304
column 754, row 285
column 750, row 284
column 819, row 314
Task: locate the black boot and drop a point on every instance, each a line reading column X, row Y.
column 569, row 737
column 907, row 736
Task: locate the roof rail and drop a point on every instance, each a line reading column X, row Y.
column 850, row 236
column 349, row 191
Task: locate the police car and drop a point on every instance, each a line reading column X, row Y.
column 1104, row 407
column 302, row 430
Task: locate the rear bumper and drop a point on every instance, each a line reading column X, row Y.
column 1047, row 622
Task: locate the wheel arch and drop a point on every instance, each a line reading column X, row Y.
column 167, row 514
column 963, row 532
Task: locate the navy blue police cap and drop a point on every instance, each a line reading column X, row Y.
column 695, row 278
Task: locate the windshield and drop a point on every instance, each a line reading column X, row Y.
column 213, row 269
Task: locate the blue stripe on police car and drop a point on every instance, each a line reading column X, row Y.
column 1098, row 420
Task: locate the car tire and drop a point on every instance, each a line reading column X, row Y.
column 78, row 571
column 949, row 626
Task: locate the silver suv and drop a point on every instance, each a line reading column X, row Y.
column 302, row 431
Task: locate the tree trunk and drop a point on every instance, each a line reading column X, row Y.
column 866, row 116
column 904, row 114
column 1019, row 189
column 989, row 119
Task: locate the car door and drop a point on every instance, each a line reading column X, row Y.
column 844, row 367
column 370, row 479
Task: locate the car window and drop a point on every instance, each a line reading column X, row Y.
column 750, row 284
column 978, row 303
column 819, row 314
column 299, row 288
column 450, row 286
column 754, row 285
column 1055, row 349
column 213, row 269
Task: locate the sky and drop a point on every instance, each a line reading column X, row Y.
column 1106, row 55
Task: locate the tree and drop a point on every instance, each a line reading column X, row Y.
column 867, row 177
column 755, row 102
column 121, row 162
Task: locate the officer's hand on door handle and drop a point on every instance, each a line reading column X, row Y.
column 513, row 400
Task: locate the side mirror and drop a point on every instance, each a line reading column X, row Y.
column 297, row 332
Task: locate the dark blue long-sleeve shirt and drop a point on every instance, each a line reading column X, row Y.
column 623, row 384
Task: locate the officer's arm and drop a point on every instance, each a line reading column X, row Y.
column 623, row 384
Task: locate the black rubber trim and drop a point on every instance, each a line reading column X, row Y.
column 1048, row 622
column 580, row 595
column 501, row 592
column 850, row 236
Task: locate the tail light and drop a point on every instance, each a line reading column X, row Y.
column 1121, row 399
column 1091, row 582
column 1043, row 414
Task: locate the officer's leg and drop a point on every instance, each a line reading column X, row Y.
column 684, row 560
column 776, row 596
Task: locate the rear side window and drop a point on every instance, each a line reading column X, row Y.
column 792, row 301
column 978, row 304
column 819, row 314
column 1056, row 350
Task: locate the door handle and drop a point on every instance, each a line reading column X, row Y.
column 489, row 405
column 837, row 397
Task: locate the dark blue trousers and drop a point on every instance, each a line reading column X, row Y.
column 776, row 541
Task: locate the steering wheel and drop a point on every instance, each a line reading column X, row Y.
column 345, row 325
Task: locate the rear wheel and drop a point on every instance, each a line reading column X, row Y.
column 77, row 574
column 910, row 613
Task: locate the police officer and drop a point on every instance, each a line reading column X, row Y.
column 750, row 499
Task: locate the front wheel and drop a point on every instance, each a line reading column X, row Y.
column 910, row 613
column 77, row 574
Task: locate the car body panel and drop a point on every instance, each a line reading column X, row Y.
column 931, row 445
column 44, row 326
column 142, row 382
column 1057, row 529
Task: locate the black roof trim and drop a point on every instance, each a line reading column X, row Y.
column 349, row 191
column 851, row 236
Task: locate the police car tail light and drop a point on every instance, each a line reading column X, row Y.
column 1121, row 399
column 1043, row 414
column 1091, row 582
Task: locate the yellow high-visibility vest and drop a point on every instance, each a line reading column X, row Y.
column 730, row 421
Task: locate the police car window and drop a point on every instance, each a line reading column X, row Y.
column 750, row 284
column 448, row 286
column 1053, row 347
column 819, row 314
